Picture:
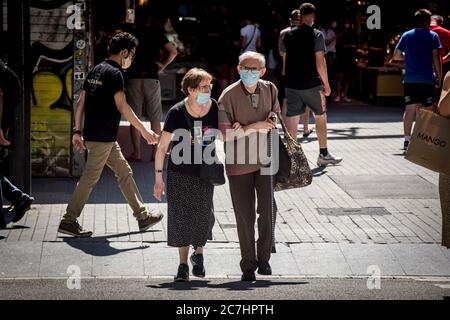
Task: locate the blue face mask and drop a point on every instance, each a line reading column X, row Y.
column 203, row 98
column 250, row 77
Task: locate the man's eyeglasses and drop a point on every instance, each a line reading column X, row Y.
column 254, row 71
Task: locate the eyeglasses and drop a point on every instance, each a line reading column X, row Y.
column 254, row 71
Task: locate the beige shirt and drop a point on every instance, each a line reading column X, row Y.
column 236, row 104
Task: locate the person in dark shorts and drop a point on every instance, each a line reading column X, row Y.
column 294, row 21
column 307, row 79
column 420, row 49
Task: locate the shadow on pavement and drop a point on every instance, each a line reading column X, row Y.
column 230, row 286
column 1, row 237
column 15, row 227
column 319, row 171
column 99, row 246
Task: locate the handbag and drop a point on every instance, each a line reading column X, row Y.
column 294, row 170
column 211, row 173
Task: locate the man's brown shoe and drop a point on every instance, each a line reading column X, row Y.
column 73, row 229
column 150, row 221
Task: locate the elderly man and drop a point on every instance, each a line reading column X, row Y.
column 244, row 107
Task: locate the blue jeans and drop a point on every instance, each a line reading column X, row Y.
column 10, row 192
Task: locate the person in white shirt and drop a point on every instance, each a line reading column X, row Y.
column 250, row 37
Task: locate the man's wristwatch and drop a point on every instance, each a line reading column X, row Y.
column 78, row 132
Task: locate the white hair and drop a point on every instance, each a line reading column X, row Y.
column 252, row 55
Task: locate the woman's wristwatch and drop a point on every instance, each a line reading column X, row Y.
column 78, row 132
column 159, row 171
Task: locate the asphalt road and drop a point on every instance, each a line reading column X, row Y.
column 225, row 289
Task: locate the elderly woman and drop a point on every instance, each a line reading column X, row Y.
column 444, row 180
column 189, row 198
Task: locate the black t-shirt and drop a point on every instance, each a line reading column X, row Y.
column 151, row 41
column 302, row 43
column 102, row 118
column 204, row 135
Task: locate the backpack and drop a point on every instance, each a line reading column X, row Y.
column 12, row 92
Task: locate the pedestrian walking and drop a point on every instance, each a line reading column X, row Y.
column 190, row 216
column 436, row 25
column 294, row 21
column 102, row 103
column 250, row 36
column 245, row 106
column 10, row 89
column 419, row 49
column 307, row 79
column 144, row 88
column 444, row 180
column 345, row 61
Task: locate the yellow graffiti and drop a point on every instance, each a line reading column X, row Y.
column 50, row 127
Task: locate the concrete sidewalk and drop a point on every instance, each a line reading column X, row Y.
column 374, row 209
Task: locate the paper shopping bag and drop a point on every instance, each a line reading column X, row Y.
column 430, row 142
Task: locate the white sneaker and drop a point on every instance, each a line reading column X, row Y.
column 327, row 160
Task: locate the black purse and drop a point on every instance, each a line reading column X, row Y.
column 214, row 173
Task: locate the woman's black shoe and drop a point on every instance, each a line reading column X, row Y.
column 183, row 273
column 198, row 268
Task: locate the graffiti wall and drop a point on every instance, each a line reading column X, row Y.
column 52, row 58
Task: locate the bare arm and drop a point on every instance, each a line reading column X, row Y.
column 125, row 109
column 446, row 58
column 243, row 42
column 437, row 65
column 321, row 65
column 172, row 55
column 163, row 146
column 258, row 42
column 444, row 102
column 80, row 111
column 398, row 56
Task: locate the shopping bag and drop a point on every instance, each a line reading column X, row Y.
column 430, row 142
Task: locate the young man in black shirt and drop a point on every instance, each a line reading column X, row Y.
column 103, row 102
column 307, row 79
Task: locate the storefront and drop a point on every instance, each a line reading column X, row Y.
column 53, row 43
